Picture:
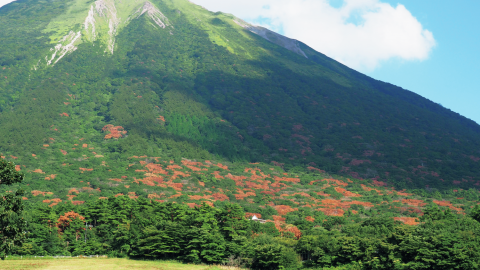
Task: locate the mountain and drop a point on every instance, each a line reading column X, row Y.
column 156, row 97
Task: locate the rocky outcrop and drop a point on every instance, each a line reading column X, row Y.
column 153, row 13
column 287, row 43
column 66, row 45
column 103, row 16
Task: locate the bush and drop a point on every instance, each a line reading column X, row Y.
column 275, row 256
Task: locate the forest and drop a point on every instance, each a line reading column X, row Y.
column 121, row 227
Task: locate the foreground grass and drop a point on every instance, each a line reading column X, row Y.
column 99, row 263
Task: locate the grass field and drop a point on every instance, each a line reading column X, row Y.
column 98, row 264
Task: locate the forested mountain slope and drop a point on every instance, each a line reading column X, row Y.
column 92, row 92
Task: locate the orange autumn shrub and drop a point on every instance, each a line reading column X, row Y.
column 35, row 193
column 335, row 182
column 293, row 229
column 220, row 197
column 175, row 196
column 413, row 202
column 64, row 221
column 217, row 175
column 173, row 167
column 284, row 209
column 407, row 220
column 156, row 169
column 448, row 204
column 225, row 167
column 115, row 132
column 193, row 205
column 332, row 212
column 286, row 179
column 155, row 195
column 198, row 197
column 400, row 193
column 176, row 174
column 346, row 193
column 321, row 193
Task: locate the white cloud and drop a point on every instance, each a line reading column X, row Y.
column 4, row 2
column 361, row 33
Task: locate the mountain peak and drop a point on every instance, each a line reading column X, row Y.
column 101, row 20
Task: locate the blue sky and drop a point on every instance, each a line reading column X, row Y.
column 451, row 74
column 429, row 47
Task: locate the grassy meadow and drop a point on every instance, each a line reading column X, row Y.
column 99, row 263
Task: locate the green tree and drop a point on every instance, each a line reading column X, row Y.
column 11, row 207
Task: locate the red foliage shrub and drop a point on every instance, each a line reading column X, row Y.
column 64, row 221
column 448, row 204
column 284, row 209
column 35, row 193
column 115, row 132
column 217, row 175
column 38, row 171
column 220, row 197
column 379, row 183
column 407, row 220
column 78, row 202
column 346, row 193
column 198, row 197
column 225, row 167
column 413, row 202
column 332, row 212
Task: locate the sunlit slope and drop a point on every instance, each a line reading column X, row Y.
column 169, row 79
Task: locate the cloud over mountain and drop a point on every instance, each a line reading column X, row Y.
column 359, row 33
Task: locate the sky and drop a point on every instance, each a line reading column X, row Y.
column 430, row 47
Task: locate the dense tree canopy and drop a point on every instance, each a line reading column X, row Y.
column 11, row 221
